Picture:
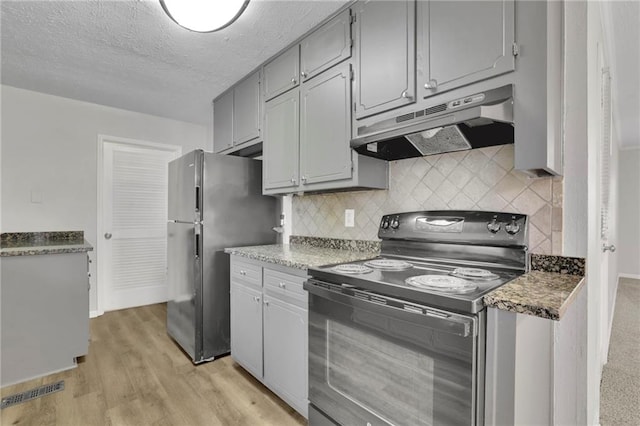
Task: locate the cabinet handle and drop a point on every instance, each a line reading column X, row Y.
column 304, row 74
column 293, row 181
column 266, row 303
column 293, row 80
column 281, row 285
column 256, row 298
column 406, row 95
column 303, row 179
column 243, row 272
column 431, row 84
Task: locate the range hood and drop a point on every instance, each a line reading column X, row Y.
column 474, row 121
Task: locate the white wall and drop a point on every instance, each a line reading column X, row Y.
column 49, row 146
column 629, row 213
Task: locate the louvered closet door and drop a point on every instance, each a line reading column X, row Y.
column 134, row 225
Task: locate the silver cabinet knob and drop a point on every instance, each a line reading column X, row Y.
column 243, row 272
column 256, row 298
column 431, row 84
column 304, row 74
column 107, row 236
column 303, row 179
column 293, row 181
column 281, row 285
column 406, row 95
column 293, row 80
column 266, row 303
column 610, row 248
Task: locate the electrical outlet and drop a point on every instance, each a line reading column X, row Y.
column 349, row 218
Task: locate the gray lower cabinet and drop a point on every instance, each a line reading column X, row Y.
column 269, row 328
column 306, row 140
column 237, row 116
column 460, row 43
column 44, row 314
column 384, row 50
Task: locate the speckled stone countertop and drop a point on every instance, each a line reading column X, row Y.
column 37, row 243
column 305, row 252
column 546, row 291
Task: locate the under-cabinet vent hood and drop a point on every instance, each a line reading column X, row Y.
column 475, row 121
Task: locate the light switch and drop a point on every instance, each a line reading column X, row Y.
column 36, row 197
column 349, row 218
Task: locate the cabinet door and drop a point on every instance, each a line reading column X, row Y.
column 282, row 74
column 325, row 127
column 461, row 42
column 281, row 140
column 285, row 351
column 246, row 328
column 327, row 46
column 223, row 122
column 384, row 40
column 246, row 110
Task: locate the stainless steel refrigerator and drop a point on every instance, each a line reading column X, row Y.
column 215, row 201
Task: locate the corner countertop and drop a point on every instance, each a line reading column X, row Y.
column 305, row 252
column 546, row 291
column 39, row 243
column 299, row 256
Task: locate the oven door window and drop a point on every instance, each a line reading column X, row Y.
column 371, row 364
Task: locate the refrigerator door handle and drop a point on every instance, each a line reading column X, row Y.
column 197, row 199
column 197, row 251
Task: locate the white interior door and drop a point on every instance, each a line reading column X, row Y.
column 132, row 248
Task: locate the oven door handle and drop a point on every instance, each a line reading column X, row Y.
column 447, row 322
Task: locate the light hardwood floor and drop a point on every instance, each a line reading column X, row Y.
column 135, row 374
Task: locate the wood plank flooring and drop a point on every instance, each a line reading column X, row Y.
column 135, row 374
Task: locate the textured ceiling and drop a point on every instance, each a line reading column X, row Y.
column 130, row 55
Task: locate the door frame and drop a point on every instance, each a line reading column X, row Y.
column 99, row 254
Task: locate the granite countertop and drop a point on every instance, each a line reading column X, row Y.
column 38, row 243
column 308, row 252
column 546, row 291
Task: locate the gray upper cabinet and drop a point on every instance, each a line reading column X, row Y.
column 246, row 110
column 281, row 146
column 327, row 46
column 223, row 122
column 460, row 43
column 282, row 74
column 325, row 127
column 237, row 115
column 384, row 50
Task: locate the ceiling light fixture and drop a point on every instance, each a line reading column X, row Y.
column 204, row 16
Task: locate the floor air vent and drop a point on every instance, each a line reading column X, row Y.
column 31, row 394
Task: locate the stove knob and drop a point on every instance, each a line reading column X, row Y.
column 385, row 223
column 494, row 226
column 395, row 223
column 512, row 227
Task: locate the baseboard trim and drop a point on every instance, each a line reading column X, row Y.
column 93, row 314
column 632, row 276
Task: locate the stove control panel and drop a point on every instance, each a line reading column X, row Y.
column 449, row 226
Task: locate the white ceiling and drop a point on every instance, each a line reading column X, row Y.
column 128, row 54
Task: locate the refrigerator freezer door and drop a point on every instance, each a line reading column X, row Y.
column 185, row 286
column 235, row 213
column 185, row 196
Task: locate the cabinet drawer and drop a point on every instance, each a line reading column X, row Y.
column 285, row 287
column 246, row 272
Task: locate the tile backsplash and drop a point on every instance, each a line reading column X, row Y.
column 479, row 179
